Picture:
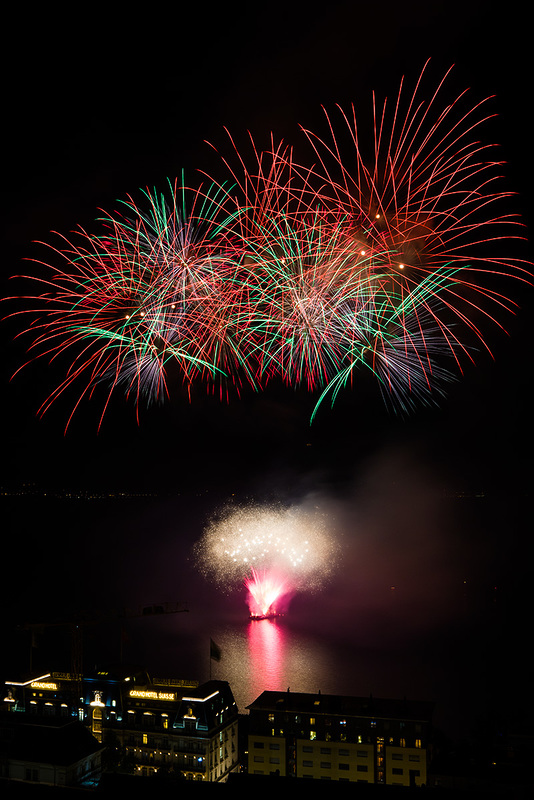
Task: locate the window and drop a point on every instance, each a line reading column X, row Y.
column 259, row 745
column 361, row 767
column 326, row 750
column 326, row 765
column 274, row 746
column 343, row 752
column 362, row 753
column 418, row 742
column 343, row 766
column 258, row 759
column 397, row 771
column 306, row 763
column 403, row 742
column 396, row 756
column 307, row 748
column 414, row 758
column 274, row 760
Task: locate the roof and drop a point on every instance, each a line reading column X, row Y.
column 50, row 741
column 343, row 705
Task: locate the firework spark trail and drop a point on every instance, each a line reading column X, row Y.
column 388, row 264
column 273, row 550
column 265, row 590
column 149, row 292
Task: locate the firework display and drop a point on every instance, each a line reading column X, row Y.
column 388, row 262
column 274, row 551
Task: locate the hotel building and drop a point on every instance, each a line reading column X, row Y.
column 339, row 738
column 148, row 724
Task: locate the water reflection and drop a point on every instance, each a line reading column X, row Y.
column 267, row 648
column 267, row 655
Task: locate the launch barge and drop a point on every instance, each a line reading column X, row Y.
column 268, row 615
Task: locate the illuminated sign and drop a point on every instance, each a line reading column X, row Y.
column 146, row 695
column 41, row 685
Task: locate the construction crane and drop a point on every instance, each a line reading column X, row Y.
column 76, row 627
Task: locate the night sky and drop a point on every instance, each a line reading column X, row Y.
column 98, row 105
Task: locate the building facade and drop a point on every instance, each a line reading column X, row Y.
column 147, row 724
column 341, row 738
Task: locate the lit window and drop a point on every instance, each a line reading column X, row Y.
column 418, row 742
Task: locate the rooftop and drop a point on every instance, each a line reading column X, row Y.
column 343, row 705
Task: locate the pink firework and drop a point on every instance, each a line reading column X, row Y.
column 275, row 552
column 265, row 589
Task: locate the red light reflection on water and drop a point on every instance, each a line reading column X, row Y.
column 267, row 648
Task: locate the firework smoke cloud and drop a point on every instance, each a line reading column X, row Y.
column 274, row 551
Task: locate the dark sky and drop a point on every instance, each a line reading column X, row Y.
column 99, row 104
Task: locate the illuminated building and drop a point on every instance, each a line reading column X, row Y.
column 339, row 738
column 149, row 724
